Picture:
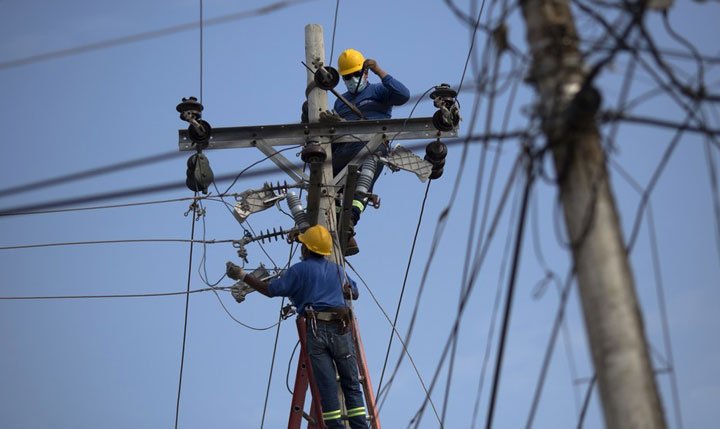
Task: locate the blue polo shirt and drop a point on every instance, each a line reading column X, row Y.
column 375, row 101
column 314, row 281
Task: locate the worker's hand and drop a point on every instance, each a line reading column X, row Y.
column 329, row 116
column 371, row 64
column 234, row 272
column 348, row 292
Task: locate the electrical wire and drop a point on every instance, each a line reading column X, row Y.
column 586, row 402
column 287, row 375
column 79, row 243
column 87, row 174
column 154, row 34
column 187, row 306
column 272, row 364
column 512, row 219
column 110, row 296
column 660, row 292
column 399, row 337
column 509, row 298
column 51, row 206
column 473, row 277
column 332, row 44
column 402, row 289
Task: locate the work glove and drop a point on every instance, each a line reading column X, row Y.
column 329, row 116
column 239, row 293
column 234, row 272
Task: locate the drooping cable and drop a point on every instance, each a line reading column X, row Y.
column 272, row 364
column 332, row 43
column 510, row 292
column 153, row 34
column 107, row 296
column 402, row 289
column 187, row 307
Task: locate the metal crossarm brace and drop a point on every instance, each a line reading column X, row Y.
column 298, row 134
column 282, row 162
column 369, row 149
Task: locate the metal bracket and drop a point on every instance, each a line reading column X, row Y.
column 254, row 201
column 404, row 159
column 282, row 162
column 241, row 289
column 374, row 142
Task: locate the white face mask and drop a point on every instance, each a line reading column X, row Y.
column 355, row 85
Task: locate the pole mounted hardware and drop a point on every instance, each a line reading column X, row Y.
column 199, row 130
column 435, row 153
column 313, row 152
column 199, row 175
column 447, row 117
column 241, row 289
column 273, row 235
column 326, row 77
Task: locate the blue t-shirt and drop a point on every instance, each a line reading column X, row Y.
column 314, row 281
column 375, row 101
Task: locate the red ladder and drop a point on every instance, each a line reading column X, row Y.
column 304, row 378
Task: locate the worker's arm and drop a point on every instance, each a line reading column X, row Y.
column 350, row 290
column 237, row 273
column 394, row 92
column 375, row 68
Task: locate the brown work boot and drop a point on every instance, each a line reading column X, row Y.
column 352, row 247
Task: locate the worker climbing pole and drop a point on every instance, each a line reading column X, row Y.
column 326, row 321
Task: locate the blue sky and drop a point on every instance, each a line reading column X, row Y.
column 114, row 363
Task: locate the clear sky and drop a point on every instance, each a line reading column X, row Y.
column 114, row 362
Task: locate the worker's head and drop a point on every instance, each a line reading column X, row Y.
column 316, row 239
column 350, row 67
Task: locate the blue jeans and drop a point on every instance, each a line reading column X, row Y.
column 329, row 348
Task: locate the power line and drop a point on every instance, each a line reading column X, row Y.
column 187, row 306
column 140, row 240
column 510, row 292
column 52, row 206
column 111, row 296
column 399, row 337
column 154, row 34
column 87, row 174
column 402, row 289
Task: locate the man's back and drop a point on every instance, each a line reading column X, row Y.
column 314, row 281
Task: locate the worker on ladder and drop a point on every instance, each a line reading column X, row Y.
column 318, row 288
column 375, row 101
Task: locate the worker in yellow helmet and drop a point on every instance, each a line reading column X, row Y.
column 375, row 101
column 317, row 288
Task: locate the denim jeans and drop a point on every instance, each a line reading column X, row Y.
column 329, row 348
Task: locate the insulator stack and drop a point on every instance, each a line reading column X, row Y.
column 270, row 235
column 280, row 186
column 367, row 173
column 297, row 211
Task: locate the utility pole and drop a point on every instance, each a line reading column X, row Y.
column 607, row 291
column 318, row 102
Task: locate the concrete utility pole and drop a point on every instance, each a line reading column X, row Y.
column 607, row 291
column 318, row 102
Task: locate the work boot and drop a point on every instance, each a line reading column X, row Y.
column 352, row 247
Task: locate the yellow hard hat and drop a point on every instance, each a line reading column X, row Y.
column 350, row 61
column 317, row 239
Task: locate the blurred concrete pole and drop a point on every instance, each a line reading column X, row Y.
column 612, row 316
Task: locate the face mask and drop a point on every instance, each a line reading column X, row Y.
column 355, row 85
